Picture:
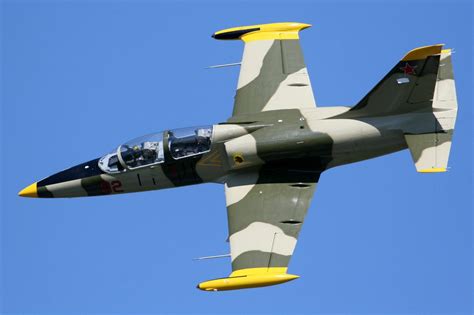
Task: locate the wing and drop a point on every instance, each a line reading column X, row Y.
column 265, row 211
column 273, row 74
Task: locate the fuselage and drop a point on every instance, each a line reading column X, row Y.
column 311, row 140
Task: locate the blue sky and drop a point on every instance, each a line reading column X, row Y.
column 79, row 78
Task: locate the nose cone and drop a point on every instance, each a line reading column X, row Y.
column 30, row 191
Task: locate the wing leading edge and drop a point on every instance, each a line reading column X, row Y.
column 273, row 74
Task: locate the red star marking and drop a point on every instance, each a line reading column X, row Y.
column 408, row 69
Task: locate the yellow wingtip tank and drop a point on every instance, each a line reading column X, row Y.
column 423, row 52
column 248, row 278
column 285, row 30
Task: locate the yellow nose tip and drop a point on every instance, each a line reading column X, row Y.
column 30, row 191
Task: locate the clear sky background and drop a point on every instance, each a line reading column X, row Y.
column 81, row 77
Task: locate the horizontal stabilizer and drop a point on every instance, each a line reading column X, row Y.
column 430, row 152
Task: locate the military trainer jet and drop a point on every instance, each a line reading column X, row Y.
column 270, row 153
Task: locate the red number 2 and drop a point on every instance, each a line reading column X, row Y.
column 117, row 186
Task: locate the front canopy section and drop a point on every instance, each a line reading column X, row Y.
column 143, row 151
column 140, row 152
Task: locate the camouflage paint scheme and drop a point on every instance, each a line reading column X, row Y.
column 270, row 154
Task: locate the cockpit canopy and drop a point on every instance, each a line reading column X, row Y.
column 142, row 151
column 185, row 142
column 152, row 149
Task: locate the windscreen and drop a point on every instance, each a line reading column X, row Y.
column 110, row 163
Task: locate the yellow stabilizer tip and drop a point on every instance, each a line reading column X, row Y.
column 248, row 278
column 433, row 170
column 423, row 52
column 30, row 191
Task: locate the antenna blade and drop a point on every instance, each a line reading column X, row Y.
column 225, row 65
column 212, row 257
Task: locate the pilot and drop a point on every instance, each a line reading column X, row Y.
column 137, row 152
column 131, row 155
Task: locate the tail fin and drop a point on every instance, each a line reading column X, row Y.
column 430, row 151
column 408, row 87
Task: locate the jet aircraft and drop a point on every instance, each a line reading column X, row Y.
column 270, row 153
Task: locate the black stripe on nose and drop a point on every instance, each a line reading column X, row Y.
column 83, row 170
